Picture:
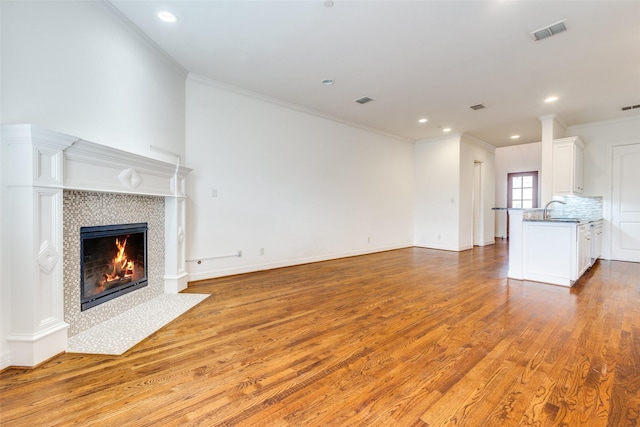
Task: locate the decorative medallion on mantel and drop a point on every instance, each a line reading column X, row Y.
column 130, row 178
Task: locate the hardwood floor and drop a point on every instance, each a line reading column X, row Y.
column 412, row 337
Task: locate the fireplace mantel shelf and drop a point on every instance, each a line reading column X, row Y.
column 63, row 161
column 38, row 165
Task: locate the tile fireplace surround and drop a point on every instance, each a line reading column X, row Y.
column 40, row 170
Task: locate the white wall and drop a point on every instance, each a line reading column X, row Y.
column 76, row 67
column 437, row 192
column 444, row 186
column 471, row 151
column 599, row 139
column 513, row 159
column 299, row 186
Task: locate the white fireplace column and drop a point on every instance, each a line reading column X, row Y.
column 176, row 276
column 38, row 165
column 32, row 169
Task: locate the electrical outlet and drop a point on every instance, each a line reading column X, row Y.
column 214, row 193
column 261, row 251
column 368, row 239
column 239, row 253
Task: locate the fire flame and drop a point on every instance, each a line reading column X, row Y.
column 122, row 267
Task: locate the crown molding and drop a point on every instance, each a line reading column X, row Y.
column 480, row 143
column 143, row 36
column 255, row 95
column 605, row 122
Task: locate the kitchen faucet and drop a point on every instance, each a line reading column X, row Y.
column 545, row 213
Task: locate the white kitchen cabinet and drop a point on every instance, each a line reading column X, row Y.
column 568, row 164
column 555, row 252
column 584, row 249
column 596, row 241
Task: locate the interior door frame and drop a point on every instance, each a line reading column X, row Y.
column 477, row 219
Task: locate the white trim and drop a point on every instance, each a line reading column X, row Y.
column 193, row 277
column 603, row 122
column 441, row 247
column 174, row 284
column 5, row 360
column 144, row 37
column 440, row 138
column 480, row 143
column 38, row 165
column 255, row 95
column 106, row 163
column 31, row 349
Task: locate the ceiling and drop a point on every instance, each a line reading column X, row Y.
column 415, row 59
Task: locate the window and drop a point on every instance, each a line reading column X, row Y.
column 522, row 190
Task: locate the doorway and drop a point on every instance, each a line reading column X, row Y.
column 477, row 229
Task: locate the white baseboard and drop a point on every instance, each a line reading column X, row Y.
column 5, row 360
column 211, row 274
column 440, row 246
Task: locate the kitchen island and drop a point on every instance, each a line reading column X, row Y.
column 552, row 250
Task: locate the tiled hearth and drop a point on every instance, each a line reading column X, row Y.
column 119, row 333
column 54, row 184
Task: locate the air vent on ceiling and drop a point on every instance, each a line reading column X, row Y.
column 631, row 107
column 548, row 31
column 477, row 107
column 364, row 100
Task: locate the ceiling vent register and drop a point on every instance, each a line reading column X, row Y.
column 630, row 107
column 549, row 31
column 364, row 100
column 477, row 107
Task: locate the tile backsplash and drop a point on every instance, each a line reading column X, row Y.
column 585, row 208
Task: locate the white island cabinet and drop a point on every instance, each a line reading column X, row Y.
column 555, row 252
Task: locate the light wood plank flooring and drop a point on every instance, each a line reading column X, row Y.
column 412, row 337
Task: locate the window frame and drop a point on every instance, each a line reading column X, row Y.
column 535, row 189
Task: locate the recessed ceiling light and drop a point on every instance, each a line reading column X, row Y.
column 327, row 82
column 446, row 130
column 422, row 121
column 551, row 99
column 515, row 136
column 167, row 16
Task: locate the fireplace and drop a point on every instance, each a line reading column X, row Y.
column 113, row 262
column 41, row 276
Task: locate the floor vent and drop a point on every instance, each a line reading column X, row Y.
column 364, row 100
column 549, row 31
column 477, row 107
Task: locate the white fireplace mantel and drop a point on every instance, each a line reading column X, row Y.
column 38, row 165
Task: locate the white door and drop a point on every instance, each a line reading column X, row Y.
column 625, row 203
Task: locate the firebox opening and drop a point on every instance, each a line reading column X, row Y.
column 113, row 262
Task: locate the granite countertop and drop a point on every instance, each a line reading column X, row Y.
column 563, row 220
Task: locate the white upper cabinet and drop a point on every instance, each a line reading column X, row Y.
column 568, row 163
